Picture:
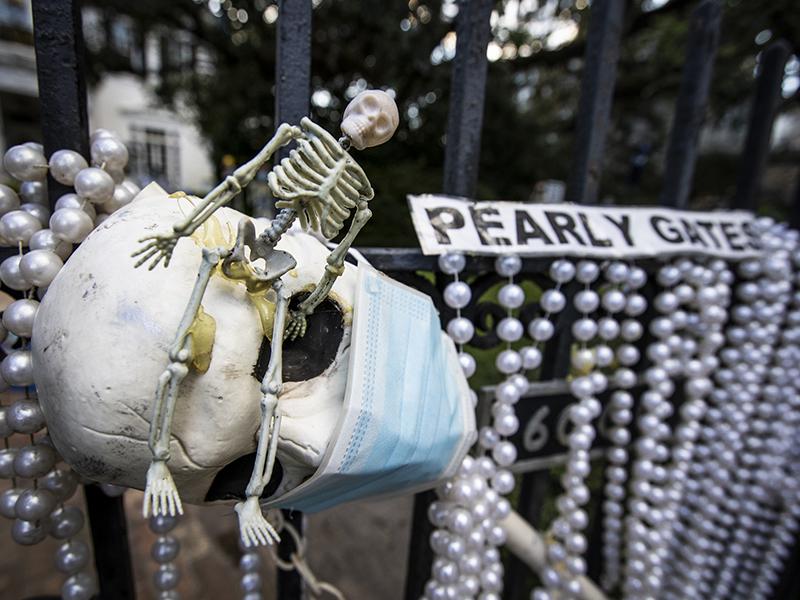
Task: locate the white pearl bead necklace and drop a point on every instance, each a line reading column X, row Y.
column 703, row 296
column 619, row 298
column 565, row 552
column 467, row 514
column 24, row 224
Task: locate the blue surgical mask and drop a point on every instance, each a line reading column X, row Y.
column 407, row 419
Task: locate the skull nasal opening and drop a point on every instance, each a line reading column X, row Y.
column 308, row 356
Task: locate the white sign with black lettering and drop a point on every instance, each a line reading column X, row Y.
column 446, row 224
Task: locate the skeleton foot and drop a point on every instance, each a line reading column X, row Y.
column 158, row 247
column 296, row 327
column 254, row 528
column 160, row 494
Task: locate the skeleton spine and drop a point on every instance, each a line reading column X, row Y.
column 279, row 225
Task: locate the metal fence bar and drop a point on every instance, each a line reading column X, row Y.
column 467, row 92
column 462, row 153
column 293, row 64
column 58, row 41
column 593, row 121
column 690, row 107
column 759, row 132
column 112, row 557
column 794, row 215
column 292, row 103
column 597, row 92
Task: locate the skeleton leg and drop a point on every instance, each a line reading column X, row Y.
column 160, row 246
column 253, row 527
column 334, row 268
column 160, row 493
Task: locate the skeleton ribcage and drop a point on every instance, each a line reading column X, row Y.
column 320, row 181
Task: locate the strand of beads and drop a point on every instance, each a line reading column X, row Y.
column 701, row 533
column 552, row 301
column 706, row 312
column 723, row 458
column 690, row 449
column 450, row 567
column 786, row 488
column 40, row 509
column 725, row 427
column 250, row 574
column 164, row 551
column 764, row 453
column 772, row 541
column 567, row 543
column 620, row 414
column 745, row 382
column 643, row 551
column 509, row 362
column 467, row 562
column 500, row 454
column 99, row 187
column 783, row 537
column 784, row 477
column 541, row 330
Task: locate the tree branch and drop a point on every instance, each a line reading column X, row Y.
column 639, row 21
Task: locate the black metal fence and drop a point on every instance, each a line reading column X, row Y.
column 59, row 49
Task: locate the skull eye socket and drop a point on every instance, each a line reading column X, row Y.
column 382, row 123
column 371, row 104
column 309, row 356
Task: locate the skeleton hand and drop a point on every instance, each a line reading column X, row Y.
column 158, row 247
column 161, row 496
column 296, row 326
column 254, row 529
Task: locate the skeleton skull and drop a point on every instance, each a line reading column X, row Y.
column 101, row 339
column 370, row 119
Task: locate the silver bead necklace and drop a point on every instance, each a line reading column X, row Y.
column 26, row 222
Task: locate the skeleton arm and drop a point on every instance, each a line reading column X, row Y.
column 160, row 246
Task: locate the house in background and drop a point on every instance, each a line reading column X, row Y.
column 164, row 144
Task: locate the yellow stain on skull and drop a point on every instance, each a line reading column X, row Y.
column 214, row 234
column 265, row 306
column 203, row 329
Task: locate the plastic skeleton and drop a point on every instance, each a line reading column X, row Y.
column 319, row 184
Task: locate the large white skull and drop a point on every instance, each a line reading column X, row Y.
column 101, row 339
column 370, row 119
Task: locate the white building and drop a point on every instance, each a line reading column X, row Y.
column 164, row 144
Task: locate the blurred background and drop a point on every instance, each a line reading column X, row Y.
column 189, row 86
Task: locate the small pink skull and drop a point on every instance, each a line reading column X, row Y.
column 370, row 119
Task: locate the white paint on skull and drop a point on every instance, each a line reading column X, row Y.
column 101, row 340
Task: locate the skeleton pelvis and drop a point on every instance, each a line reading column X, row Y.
column 102, row 336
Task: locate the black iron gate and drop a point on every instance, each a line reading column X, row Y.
column 59, row 50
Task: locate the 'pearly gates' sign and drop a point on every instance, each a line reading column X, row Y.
column 446, row 224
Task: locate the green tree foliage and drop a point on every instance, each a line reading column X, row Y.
column 532, row 92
